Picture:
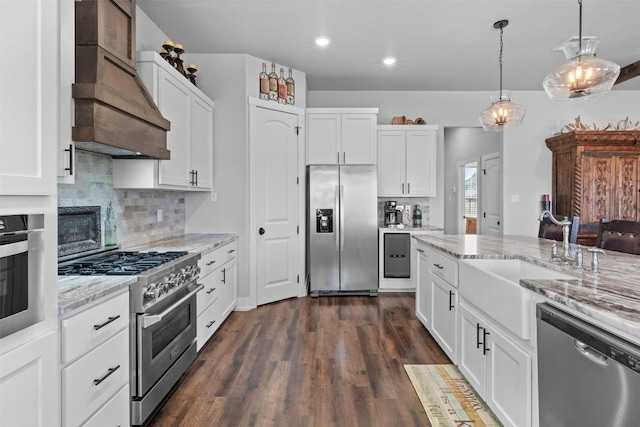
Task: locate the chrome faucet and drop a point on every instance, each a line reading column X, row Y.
column 565, row 223
column 576, row 261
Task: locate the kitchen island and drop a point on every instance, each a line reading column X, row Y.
column 610, row 297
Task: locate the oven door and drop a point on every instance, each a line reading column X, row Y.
column 163, row 336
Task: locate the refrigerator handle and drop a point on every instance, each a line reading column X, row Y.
column 337, row 229
column 341, row 218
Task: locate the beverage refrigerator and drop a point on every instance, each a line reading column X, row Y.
column 342, row 230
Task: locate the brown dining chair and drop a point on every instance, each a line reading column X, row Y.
column 549, row 230
column 619, row 235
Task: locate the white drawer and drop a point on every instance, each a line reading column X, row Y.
column 211, row 291
column 83, row 331
column 216, row 258
column 114, row 413
column 444, row 267
column 207, row 323
column 81, row 396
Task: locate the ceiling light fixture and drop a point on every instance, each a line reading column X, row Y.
column 322, row 41
column 502, row 113
column 390, row 60
column 583, row 75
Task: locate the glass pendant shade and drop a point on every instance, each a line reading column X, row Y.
column 584, row 75
column 502, row 114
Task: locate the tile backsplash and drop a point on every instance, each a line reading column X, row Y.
column 135, row 211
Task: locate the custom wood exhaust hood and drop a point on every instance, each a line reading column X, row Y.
column 114, row 113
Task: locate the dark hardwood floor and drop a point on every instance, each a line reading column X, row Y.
column 328, row 361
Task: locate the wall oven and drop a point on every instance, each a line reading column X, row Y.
column 21, row 272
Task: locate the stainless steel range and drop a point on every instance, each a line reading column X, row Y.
column 163, row 318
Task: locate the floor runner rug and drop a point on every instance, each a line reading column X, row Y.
column 448, row 398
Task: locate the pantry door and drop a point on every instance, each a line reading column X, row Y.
column 490, row 187
column 275, row 202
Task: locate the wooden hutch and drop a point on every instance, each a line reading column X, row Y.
column 596, row 175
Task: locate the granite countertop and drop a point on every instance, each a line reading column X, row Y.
column 76, row 291
column 611, row 297
column 411, row 229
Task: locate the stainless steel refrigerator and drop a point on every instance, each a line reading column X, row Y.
column 342, row 230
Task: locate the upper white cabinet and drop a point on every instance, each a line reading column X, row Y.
column 341, row 136
column 66, row 146
column 29, row 102
column 407, row 161
column 190, row 139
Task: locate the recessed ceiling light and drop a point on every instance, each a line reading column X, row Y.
column 322, row 41
column 390, row 60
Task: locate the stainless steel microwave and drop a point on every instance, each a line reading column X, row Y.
column 21, row 272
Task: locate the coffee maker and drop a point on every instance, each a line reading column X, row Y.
column 390, row 213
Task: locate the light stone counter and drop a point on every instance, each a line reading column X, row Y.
column 412, row 230
column 610, row 297
column 76, row 291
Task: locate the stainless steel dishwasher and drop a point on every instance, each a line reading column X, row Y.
column 587, row 377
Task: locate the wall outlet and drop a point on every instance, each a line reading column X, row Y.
column 214, row 197
column 159, row 215
column 515, row 198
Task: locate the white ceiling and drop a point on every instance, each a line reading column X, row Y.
column 441, row 45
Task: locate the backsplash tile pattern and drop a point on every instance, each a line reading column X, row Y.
column 135, row 211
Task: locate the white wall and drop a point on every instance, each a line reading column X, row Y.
column 527, row 160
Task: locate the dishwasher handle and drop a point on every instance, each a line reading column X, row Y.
column 590, row 353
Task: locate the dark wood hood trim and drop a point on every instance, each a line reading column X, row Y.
column 114, row 113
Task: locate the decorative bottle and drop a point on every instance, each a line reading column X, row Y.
column 264, row 83
column 282, row 88
column 417, row 217
column 110, row 238
column 273, row 84
column 291, row 89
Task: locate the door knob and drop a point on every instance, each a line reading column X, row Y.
column 261, row 231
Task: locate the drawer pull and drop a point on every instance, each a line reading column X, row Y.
column 230, row 251
column 109, row 320
column 224, row 275
column 211, row 262
column 211, row 323
column 211, row 290
column 420, row 250
column 451, row 300
column 440, row 267
column 111, row 371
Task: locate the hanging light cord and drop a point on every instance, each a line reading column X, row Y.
column 580, row 29
column 500, row 61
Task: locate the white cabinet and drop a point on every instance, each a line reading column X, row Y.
column 95, row 363
column 499, row 370
column 341, row 136
column 407, row 161
column 423, row 286
column 28, row 376
column 218, row 298
column 29, row 101
column 190, row 139
column 437, row 297
column 66, row 146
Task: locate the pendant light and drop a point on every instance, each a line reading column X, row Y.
column 502, row 114
column 583, row 75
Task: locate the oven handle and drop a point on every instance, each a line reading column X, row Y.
column 152, row 319
column 14, row 248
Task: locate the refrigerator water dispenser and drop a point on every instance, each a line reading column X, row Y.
column 324, row 220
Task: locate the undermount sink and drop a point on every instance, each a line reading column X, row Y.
column 493, row 285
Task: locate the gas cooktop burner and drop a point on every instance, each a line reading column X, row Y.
column 122, row 263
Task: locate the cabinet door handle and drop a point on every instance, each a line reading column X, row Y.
column 408, row 188
column 210, row 324
column 224, row 275
column 230, row 251
column 484, row 342
column 109, row 320
column 70, row 168
column 403, row 188
column 344, row 157
column 420, row 250
column 111, row 371
column 478, row 327
column 211, row 262
column 438, row 266
column 451, row 300
column 211, row 290
column 196, row 174
column 338, row 153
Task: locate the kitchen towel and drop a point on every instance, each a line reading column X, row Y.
column 448, row 398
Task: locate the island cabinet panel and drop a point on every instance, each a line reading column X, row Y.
column 595, row 175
